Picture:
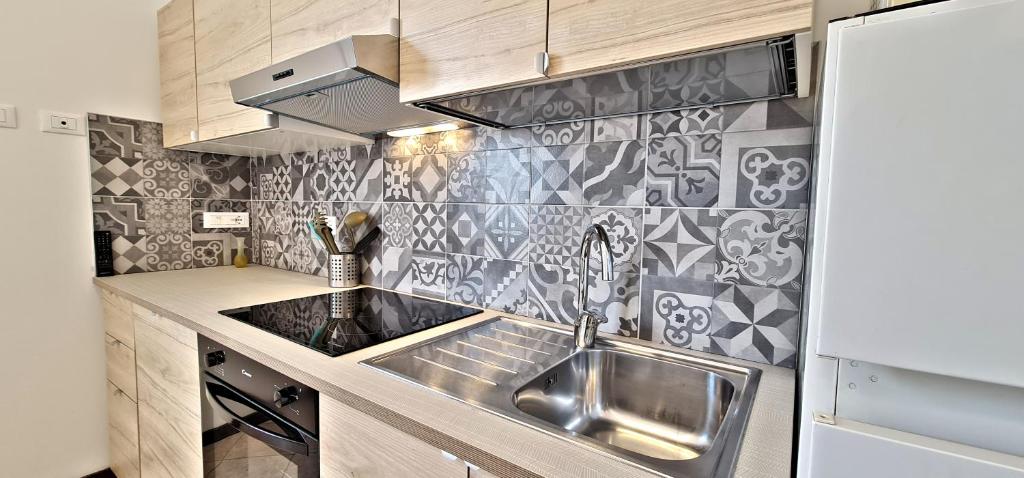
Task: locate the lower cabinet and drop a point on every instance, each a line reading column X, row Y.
column 153, row 391
column 353, row 444
column 170, row 426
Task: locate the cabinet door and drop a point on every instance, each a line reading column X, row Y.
column 170, row 427
column 232, row 39
column 353, row 444
column 585, row 35
column 298, row 26
column 123, row 428
column 177, row 72
column 451, row 46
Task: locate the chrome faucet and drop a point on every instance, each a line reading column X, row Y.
column 586, row 324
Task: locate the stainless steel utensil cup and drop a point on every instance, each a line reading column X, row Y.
column 343, row 270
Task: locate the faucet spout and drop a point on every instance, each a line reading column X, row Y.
column 588, row 322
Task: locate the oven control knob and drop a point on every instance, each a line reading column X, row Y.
column 215, row 358
column 285, row 396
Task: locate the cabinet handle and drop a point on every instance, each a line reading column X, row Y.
column 472, row 467
column 449, row 456
column 193, row 135
column 542, row 61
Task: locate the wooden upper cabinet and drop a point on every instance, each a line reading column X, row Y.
column 454, row 46
column 298, row 26
column 232, row 39
column 587, row 35
column 176, row 31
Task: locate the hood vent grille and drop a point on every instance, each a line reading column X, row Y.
column 750, row 72
column 364, row 106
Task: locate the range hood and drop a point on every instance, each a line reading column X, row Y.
column 761, row 70
column 282, row 135
column 350, row 85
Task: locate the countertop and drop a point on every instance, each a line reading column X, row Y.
column 500, row 446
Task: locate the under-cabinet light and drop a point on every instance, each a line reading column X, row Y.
column 399, row 133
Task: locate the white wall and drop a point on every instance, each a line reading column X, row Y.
column 70, row 56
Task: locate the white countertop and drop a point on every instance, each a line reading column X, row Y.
column 193, row 297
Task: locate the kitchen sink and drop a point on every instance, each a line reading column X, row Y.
column 671, row 413
column 607, row 396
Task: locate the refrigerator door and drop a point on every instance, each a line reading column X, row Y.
column 919, row 233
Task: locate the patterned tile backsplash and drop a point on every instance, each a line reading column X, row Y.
column 706, row 209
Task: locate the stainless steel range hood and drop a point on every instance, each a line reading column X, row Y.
column 350, row 85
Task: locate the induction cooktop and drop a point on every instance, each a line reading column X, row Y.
column 349, row 320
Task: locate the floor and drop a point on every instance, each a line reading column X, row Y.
column 244, row 457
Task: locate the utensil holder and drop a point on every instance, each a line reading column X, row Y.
column 343, row 270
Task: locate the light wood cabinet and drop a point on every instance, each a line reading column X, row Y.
column 176, row 31
column 451, row 46
column 169, row 327
column 123, row 428
column 298, row 26
column 232, row 38
column 588, row 35
column 117, row 321
column 121, row 366
column 170, row 427
column 353, row 444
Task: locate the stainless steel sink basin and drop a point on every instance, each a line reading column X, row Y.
column 607, row 396
column 668, row 412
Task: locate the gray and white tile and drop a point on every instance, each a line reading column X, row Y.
column 625, row 228
column 429, row 178
column 465, row 279
column 680, row 243
column 555, row 232
column 614, row 173
column 701, row 120
column 684, row 171
column 677, row 312
column 766, row 169
column 122, row 216
column 557, row 174
column 756, row 323
column 168, row 178
column 508, row 176
column 467, row 229
column 429, row 227
column 219, row 176
column 168, row 251
column 761, row 247
column 507, row 231
column 467, row 177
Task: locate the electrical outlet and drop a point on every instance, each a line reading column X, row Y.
column 225, row 220
column 61, row 123
column 8, row 116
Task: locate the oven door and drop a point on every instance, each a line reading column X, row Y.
column 244, row 438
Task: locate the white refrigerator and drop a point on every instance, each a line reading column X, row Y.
column 913, row 361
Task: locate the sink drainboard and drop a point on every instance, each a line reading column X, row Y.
column 668, row 412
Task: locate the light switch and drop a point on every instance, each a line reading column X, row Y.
column 62, row 123
column 8, row 116
column 225, row 220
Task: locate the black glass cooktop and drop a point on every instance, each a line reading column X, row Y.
column 349, row 320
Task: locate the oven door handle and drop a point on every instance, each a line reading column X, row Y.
column 215, row 391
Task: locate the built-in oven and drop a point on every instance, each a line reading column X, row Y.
column 256, row 421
